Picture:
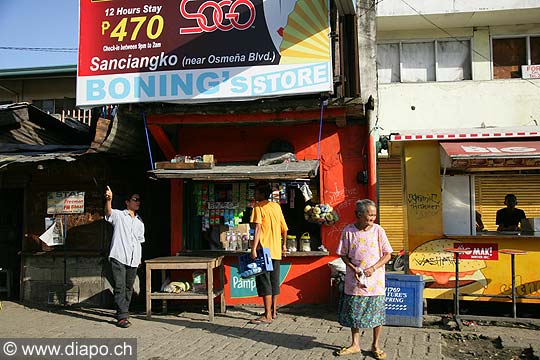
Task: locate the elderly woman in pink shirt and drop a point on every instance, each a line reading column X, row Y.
column 365, row 249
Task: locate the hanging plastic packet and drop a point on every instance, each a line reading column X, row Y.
column 306, row 191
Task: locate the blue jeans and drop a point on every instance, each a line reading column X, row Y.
column 123, row 277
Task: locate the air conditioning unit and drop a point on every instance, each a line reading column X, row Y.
column 346, row 7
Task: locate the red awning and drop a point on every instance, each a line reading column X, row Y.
column 515, row 154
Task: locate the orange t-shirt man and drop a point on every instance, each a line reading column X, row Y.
column 272, row 226
column 270, row 232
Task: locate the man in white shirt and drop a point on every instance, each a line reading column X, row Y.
column 125, row 253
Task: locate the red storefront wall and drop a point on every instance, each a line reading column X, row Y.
column 343, row 153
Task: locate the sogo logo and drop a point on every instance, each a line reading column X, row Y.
column 225, row 16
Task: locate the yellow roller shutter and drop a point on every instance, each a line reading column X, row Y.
column 491, row 189
column 391, row 204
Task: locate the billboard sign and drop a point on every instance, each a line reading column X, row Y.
column 201, row 50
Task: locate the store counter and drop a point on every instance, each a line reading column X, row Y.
column 304, row 278
column 507, row 234
column 238, row 253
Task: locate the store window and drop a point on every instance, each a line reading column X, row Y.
column 219, row 213
column 448, row 60
column 509, row 54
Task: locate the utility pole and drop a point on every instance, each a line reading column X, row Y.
column 367, row 62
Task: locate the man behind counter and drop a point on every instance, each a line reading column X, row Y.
column 508, row 218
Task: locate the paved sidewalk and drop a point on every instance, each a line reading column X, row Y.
column 300, row 332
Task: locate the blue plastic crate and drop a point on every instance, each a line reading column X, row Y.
column 263, row 261
column 404, row 300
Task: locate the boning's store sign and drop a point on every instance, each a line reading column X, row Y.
column 195, row 50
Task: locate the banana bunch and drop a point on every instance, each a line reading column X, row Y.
column 320, row 214
column 177, row 287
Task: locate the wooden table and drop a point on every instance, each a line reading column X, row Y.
column 186, row 263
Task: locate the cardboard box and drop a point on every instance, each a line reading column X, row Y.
column 243, row 229
column 223, row 235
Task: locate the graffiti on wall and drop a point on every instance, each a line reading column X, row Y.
column 424, row 204
column 343, row 200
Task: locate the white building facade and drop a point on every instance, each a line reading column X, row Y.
column 457, row 64
column 452, row 70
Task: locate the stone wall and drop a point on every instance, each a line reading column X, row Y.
column 88, row 280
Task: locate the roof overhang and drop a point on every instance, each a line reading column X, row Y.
column 45, row 71
column 466, row 133
column 21, row 158
column 489, row 155
column 235, row 172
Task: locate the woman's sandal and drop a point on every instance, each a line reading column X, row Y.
column 346, row 351
column 379, row 354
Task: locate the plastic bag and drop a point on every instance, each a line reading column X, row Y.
column 336, row 266
column 276, row 158
column 362, row 279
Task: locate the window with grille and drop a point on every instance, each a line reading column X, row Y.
column 509, row 54
column 437, row 60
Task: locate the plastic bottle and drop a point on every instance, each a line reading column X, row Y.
column 238, row 241
column 234, row 242
column 227, row 240
column 245, row 242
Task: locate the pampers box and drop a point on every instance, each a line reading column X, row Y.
column 404, row 300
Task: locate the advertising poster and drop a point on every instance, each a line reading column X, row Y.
column 196, row 50
column 483, row 269
column 54, row 233
column 244, row 288
column 65, row 202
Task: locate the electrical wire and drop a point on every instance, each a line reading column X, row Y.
column 43, row 49
column 148, row 141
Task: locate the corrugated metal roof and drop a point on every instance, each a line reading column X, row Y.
column 122, row 134
column 38, row 71
column 23, row 123
column 29, row 135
